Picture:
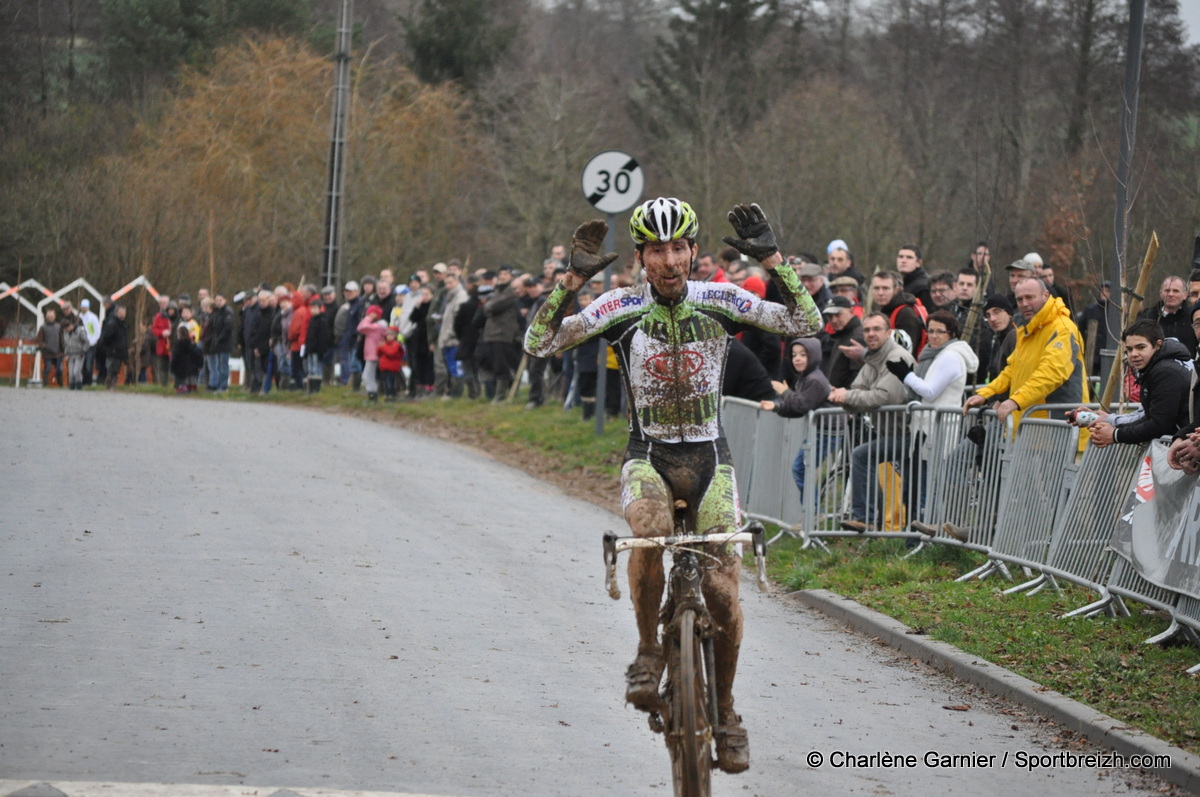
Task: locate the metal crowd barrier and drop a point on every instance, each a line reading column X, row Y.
column 764, row 447
column 884, row 445
column 964, row 484
column 772, row 477
column 827, row 440
column 1187, row 616
column 1020, row 498
column 1031, row 494
column 740, row 419
column 1125, row 582
column 1079, row 550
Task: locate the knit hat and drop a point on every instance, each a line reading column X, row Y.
column 756, row 286
column 374, row 310
column 85, row 304
column 997, row 300
column 394, row 330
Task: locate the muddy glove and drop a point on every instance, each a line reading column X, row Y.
column 585, row 259
column 899, row 367
column 755, row 238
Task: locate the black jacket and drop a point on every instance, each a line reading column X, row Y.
column 319, row 338
column 745, row 376
column 766, row 346
column 840, row 369
column 1166, row 392
column 217, row 335
column 114, row 338
column 465, row 328
column 995, row 355
column 1176, row 325
column 186, row 359
column 916, row 284
column 256, row 331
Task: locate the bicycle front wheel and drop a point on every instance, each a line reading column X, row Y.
column 689, row 735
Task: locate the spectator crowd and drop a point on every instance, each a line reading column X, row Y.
column 902, row 334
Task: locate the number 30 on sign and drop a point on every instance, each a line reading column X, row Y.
column 613, row 182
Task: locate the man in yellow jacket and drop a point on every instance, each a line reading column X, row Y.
column 1046, row 367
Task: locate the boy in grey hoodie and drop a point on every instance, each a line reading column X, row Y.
column 805, row 388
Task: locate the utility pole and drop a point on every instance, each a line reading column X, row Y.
column 1133, row 75
column 334, row 208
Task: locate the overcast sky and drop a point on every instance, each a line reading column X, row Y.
column 1190, row 11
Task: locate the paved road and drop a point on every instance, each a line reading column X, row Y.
column 218, row 592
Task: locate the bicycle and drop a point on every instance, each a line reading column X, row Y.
column 687, row 711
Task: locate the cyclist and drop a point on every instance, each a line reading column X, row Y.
column 671, row 337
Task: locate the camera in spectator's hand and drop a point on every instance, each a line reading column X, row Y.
column 1082, row 418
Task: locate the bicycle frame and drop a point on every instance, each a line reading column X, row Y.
column 687, row 712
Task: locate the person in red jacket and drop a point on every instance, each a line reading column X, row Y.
column 298, row 332
column 162, row 328
column 391, row 360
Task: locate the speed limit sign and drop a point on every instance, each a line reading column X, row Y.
column 613, row 182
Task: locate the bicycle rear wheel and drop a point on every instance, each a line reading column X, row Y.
column 689, row 733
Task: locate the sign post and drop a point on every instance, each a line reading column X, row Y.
column 612, row 183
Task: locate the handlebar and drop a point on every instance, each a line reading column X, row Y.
column 752, row 533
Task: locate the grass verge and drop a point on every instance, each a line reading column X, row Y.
column 1099, row 662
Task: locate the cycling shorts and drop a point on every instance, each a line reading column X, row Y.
column 699, row 473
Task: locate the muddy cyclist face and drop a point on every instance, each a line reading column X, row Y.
column 667, row 265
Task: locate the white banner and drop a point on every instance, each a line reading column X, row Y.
column 1159, row 529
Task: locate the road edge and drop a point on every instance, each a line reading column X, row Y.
column 1096, row 726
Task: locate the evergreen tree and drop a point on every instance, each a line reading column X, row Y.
column 148, row 39
column 456, row 40
column 710, row 65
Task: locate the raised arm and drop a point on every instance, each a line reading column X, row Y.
column 798, row 316
column 551, row 330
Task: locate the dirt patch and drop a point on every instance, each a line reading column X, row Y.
column 586, row 485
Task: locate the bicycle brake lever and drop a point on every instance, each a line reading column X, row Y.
column 610, row 565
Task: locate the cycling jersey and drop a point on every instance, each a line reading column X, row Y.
column 672, row 352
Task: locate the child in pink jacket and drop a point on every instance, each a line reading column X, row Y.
column 372, row 328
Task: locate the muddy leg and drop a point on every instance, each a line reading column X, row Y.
column 647, row 503
column 647, row 517
column 721, row 596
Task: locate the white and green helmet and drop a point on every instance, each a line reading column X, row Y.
column 663, row 219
